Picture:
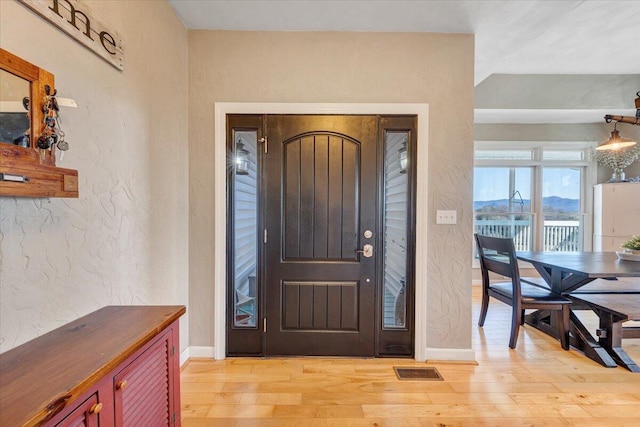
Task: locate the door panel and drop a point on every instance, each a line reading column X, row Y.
column 320, row 292
column 321, row 198
column 320, row 306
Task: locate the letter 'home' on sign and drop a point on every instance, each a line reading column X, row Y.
column 74, row 18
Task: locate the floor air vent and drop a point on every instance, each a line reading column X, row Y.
column 418, row 374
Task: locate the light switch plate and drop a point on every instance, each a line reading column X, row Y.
column 446, row 217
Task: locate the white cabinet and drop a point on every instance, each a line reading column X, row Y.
column 616, row 214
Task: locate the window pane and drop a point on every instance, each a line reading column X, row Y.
column 563, row 233
column 504, row 154
column 566, row 155
column 245, row 219
column 561, row 190
column 501, row 189
column 395, row 229
column 502, row 204
column 561, row 205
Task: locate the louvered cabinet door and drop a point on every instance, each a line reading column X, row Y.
column 84, row 415
column 144, row 394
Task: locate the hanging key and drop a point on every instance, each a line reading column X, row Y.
column 53, row 138
column 62, row 144
column 44, row 142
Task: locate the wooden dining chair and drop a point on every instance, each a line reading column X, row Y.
column 498, row 255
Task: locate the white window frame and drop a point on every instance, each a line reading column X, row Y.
column 537, row 163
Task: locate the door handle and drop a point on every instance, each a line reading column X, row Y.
column 367, row 251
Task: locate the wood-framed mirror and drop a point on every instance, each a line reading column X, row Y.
column 16, row 74
column 26, row 170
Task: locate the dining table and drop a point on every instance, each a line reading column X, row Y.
column 565, row 273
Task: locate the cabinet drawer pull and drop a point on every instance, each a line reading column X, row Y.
column 95, row 409
column 121, row 385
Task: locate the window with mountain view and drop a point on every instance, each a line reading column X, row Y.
column 502, row 203
column 561, row 208
column 534, row 194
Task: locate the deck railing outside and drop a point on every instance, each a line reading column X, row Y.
column 558, row 235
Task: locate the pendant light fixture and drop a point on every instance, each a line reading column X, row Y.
column 615, row 141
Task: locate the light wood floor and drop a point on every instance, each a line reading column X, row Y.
column 537, row 384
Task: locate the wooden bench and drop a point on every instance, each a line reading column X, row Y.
column 613, row 309
column 621, row 285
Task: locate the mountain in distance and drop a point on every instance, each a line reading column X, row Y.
column 551, row 204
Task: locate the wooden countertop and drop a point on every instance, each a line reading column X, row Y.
column 67, row 361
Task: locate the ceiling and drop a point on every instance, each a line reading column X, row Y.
column 550, row 38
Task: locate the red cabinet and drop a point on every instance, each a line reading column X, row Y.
column 118, row 366
column 143, row 390
column 84, row 415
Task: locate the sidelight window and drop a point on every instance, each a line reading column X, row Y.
column 245, row 223
column 396, row 208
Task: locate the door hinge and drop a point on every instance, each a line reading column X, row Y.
column 265, row 235
column 173, row 350
column 264, row 325
column 266, row 144
column 173, row 418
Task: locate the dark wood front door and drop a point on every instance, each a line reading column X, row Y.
column 306, row 193
column 321, row 198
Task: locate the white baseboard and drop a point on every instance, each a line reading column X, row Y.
column 197, row 351
column 184, row 356
column 451, row 354
column 439, row 354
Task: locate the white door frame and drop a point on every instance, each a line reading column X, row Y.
column 220, row 204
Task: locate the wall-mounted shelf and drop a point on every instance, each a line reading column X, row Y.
column 24, row 179
column 30, row 171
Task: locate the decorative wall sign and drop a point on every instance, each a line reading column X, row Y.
column 73, row 17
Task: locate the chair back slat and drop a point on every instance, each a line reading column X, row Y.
column 499, row 266
column 498, row 255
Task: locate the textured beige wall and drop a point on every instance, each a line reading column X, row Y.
column 437, row 69
column 125, row 240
